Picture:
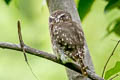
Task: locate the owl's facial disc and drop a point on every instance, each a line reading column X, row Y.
column 59, row 16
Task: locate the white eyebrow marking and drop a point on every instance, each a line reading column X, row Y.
column 52, row 17
column 60, row 15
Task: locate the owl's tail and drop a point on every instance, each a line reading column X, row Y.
column 83, row 67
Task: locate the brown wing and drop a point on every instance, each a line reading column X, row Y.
column 70, row 41
column 70, row 38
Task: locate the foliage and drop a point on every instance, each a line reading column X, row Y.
column 110, row 7
column 7, row 1
column 112, row 4
column 84, row 7
column 113, row 26
column 113, row 70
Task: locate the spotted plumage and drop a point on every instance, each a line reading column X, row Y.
column 67, row 38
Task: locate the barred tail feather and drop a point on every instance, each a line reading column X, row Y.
column 83, row 67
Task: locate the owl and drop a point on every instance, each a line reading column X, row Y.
column 67, row 38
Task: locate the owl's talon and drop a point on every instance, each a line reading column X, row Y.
column 86, row 67
column 58, row 58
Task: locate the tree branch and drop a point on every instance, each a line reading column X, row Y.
column 48, row 56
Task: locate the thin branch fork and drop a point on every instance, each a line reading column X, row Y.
column 105, row 66
column 21, row 41
column 22, row 47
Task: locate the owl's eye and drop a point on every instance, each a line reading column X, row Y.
column 63, row 16
column 50, row 20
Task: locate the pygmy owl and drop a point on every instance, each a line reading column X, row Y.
column 67, row 38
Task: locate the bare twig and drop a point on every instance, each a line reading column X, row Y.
column 21, row 41
column 50, row 57
column 109, row 58
column 22, row 47
column 114, row 77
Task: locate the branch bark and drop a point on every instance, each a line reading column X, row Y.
column 69, row 6
column 48, row 56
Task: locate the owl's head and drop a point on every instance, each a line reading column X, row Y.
column 59, row 16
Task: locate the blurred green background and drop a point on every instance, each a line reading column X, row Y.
column 33, row 15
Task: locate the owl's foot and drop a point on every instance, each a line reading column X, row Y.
column 86, row 67
column 65, row 59
column 58, row 57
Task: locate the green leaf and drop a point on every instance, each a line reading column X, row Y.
column 113, row 71
column 114, row 26
column 7, row 1
column 84, row 7
column 112, row 4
